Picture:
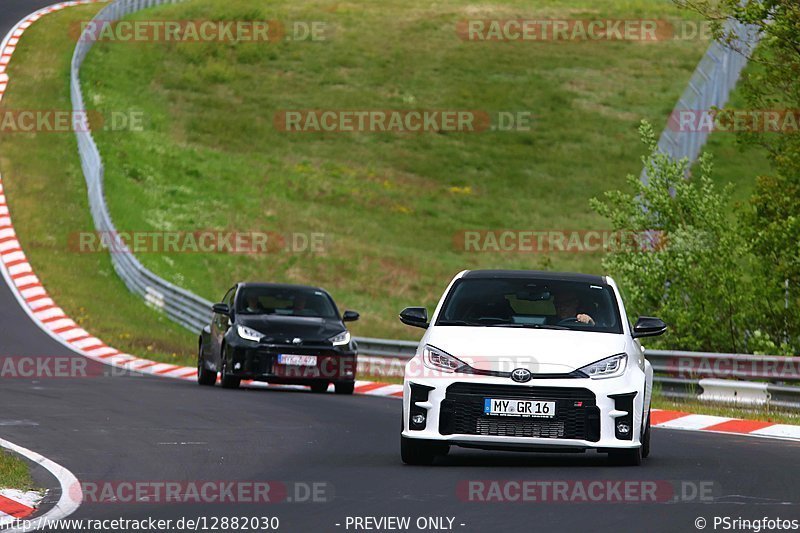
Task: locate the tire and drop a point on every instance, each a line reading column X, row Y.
column 646, row 438
column 421, row 452
column 626, row 457
column 228, row 381
column 319, row 388
column 205, row 376
column 345, row 388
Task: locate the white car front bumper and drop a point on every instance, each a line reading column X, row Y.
column 447, row 416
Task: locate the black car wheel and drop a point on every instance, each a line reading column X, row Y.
column 319, row 388
column 204, row 376
column 228, row 381
column 646, row 438
column 421, row 452
column 626, row 457
column 346, row 387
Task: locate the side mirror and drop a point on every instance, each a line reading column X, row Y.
column 221, row 309
column 415, row 316
column 350, row 316
column 648, row 326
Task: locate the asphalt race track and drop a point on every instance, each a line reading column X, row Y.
column 133, row 428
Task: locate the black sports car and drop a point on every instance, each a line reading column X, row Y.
column 289, row 334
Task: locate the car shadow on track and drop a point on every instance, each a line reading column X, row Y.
column 474, row 458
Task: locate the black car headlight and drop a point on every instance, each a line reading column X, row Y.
column 341, row 339
column 249, row 334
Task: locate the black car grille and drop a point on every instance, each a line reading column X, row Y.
column 257, row 362
column 526, row 427
column 577, row 415
column 262, row 358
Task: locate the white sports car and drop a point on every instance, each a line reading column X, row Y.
column 526, row 360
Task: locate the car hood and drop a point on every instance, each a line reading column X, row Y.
column 542, row 351
column 282, row 329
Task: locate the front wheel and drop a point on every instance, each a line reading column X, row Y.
column 421, row 452
column 319, row 388
column 228, row 381
column 646, row 438
column 205, row 376
column 626, row 457
column 345, row 388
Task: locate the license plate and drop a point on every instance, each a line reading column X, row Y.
column 297, row 360
column 528, row 408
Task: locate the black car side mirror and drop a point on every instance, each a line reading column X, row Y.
column 221, row 309
column 415, row 316
column 648, row 326
column 350, row 316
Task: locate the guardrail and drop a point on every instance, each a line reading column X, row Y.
column 386, row 348
column 710, row 86
column 180, row 305
column 728, row 378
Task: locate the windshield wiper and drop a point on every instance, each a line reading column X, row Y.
column 529, row 326
column 457, row 323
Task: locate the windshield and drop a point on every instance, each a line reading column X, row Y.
column 285, row 301
column 532, row 303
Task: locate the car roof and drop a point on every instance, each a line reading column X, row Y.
column 535, row 274
column 250, row 284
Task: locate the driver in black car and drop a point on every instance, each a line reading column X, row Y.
column 253, row 304
column 567, row 303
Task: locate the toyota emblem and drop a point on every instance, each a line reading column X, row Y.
column 297, row 340
column 521, row 375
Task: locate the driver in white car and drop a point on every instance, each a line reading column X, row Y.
column 566, row 303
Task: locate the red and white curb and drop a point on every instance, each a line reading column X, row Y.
column 11, row 40
column 43, row 310
column 15, row 504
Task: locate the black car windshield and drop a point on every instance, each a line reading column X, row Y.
column 531, row 303
column 285, row 301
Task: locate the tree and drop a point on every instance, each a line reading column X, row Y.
column 771, row 222
column 698, row 276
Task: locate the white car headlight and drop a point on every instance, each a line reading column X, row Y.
column 249, row 334
column 440, row 360
column 610, row 367
column 341, row 339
